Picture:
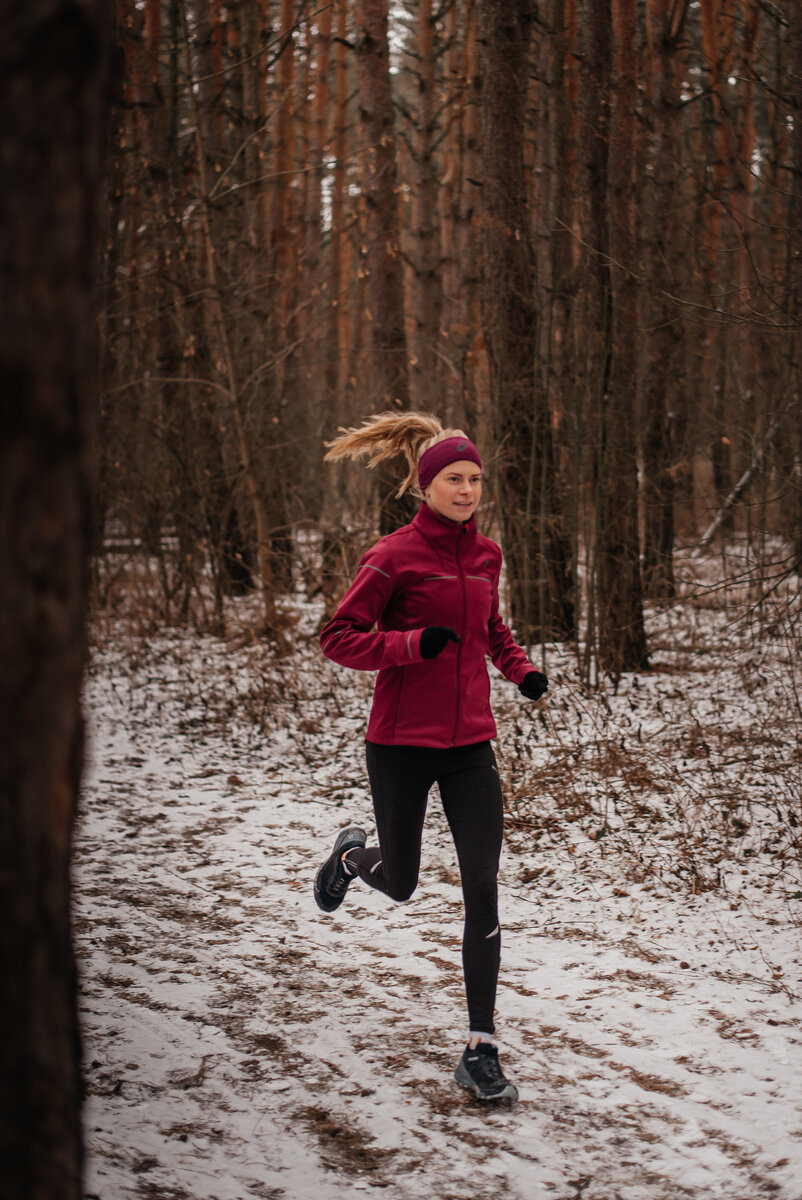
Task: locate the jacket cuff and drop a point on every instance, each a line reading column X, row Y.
column 413, row 645
column 401, row 647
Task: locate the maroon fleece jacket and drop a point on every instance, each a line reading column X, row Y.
column 430, row 572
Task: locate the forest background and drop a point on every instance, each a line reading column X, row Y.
column 570, row 227
column 567, row 227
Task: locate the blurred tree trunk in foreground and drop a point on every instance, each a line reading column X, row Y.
column 54, row 71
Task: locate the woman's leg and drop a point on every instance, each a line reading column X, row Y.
column 400, row 778
column 471, row 794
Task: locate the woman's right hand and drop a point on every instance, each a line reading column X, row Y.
column 533, row 685
column 434, row 640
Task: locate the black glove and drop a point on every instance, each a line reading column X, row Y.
column 434, row 640
column 533, row 685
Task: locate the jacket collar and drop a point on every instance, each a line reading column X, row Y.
column 443, row 532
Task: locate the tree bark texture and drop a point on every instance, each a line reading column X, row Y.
column 535, row 559
column 595, row 314
column 662, row 383
column 54, row 70
column 382, row 249
column 795, row 224
column 622, row 640
column 281, row 387
column 427, row 382
column 237, row 397
column 615, row 617
column 466, row 348
column 717, row 42
column 385, row 289
column 508, row 301
column 563, row 379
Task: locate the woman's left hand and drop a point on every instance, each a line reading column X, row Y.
column 533, row 685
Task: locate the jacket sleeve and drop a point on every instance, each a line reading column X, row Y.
column 349, row 637
column 505, row 653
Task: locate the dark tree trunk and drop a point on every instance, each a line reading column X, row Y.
column 595, row 300
column 467, row 235
column 380, row 179
column 282, row 389
column 534, row 549
column 53, row 67
column 427, row 384
column 385, row 284
column 795, row 224
column 615, row 624
column 563, row 376
column 717, row 34
column 663, row 386
column 622, row 641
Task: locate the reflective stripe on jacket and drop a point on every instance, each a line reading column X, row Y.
column 430, row 572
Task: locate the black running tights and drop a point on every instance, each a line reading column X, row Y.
column 400, row 779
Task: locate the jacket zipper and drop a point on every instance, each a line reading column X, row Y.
column 462, row 636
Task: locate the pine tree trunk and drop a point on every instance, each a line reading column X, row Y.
column 795, row 266
column 385, row 284
column 536, row 559
column 466, row 330
column 339, row 248
column 220, row 328
column 663, row 385
column 283, row 386
column 54, row 66
column 453, row 93
column 384, row 275
column 716, row 24
column 563, row 377
column 622, row 640
column 426, row 384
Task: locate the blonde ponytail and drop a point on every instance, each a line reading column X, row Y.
column 389, row 434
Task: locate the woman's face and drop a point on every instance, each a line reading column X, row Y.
column 456, row 491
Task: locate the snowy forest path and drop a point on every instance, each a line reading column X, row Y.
column 240, row 1044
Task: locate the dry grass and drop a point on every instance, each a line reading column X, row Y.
column 680, row 777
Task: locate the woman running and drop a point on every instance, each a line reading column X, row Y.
column 423, row 612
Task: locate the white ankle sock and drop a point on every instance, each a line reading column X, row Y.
column 349, row 870
column 475, row 1037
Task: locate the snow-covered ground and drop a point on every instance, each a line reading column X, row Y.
column 240, row 1044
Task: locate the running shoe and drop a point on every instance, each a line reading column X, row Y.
column 479, row 1070
column 331, row 881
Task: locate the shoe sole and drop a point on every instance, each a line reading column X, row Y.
column 509, row 1093
column 345, row 841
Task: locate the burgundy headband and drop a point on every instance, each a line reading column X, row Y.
column 453, row 449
